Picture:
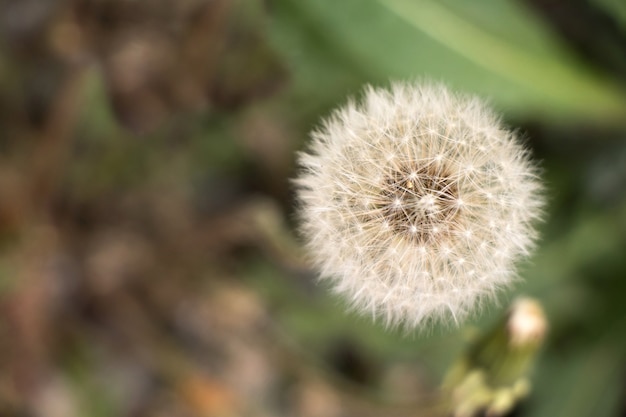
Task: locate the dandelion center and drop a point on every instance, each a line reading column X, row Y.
column 417, row 202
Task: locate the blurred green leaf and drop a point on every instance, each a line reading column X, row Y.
column 616, row 8
column 494, row 48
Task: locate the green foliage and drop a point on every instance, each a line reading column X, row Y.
column 494, row 48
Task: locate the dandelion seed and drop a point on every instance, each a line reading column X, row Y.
column 451, row 201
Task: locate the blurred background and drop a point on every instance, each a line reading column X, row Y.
column 148, row 260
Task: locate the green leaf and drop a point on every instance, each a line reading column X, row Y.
column 494, row 48
column 616, row 9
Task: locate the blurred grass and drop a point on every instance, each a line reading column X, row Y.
column 493, row 48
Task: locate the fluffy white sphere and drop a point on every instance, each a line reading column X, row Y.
column 416, row 203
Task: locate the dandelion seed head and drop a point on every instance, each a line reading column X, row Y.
column 416, row 203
